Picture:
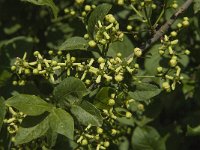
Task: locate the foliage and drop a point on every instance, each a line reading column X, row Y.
column 88, row 74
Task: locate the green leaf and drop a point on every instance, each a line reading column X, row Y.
column 102, row 97
column 86, row 114
column 144, row 91
column 124, row 47
column 29, row 104
column 196, row 6
column 2, row 111
column 193, row 131
column 62, row 122
column 153, row 60
column 25, row 135
column 74, row 43
column 70, row 90
column 147, row 138
column 97, row 15
column 48, row 3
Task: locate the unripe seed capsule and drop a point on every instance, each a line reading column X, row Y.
column 84, row 142
column 128, row 115
column 92, row 43
column 99, row 130
column 111, row 102
column 137, row 52
column 106, row 143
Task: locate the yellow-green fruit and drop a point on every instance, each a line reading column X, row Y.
column 173, row 33
column 88, row 8
column 119, row 78
column 101, row 60
column 173, row 62
column 106, row 144
column 111, row 102
column 185, row 23
column 14, row 82
column 175, row 5
column 166, row 86
column 187, row 52
column 99, row 130
column 159, row 69
column 35, row 71
column 113, row 132
column 128, row 114
column 137, row 52
column 129, row 27
column 84, row 142
column 92, row 43
column 110, row 18
column 13, row 68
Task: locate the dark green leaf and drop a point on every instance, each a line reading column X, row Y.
column 196, row 6
column 153, row 60
column 2, row 111
column 102, row 97
column 147, row 138
column 74, row 43
column 25, row 135
column 124, row 47
column 70, row 90
column 144, row 91
column 62, row 122
column 48, row 3
column 29, row 104
column 97, row 15
column 86, row 114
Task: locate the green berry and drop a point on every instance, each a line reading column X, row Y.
column 35, row 71
column 101, row 60
column 111, row 102
column 88, row 8
column 27, row 71
column 137, row 52
column 187, row 52
column 159, row 69
column 173, row 62
column 113, row 132
column 92, row 43
column 99, row 130
column 185, row 23
column 173, row 33
column 59, row 52
column 166, row 86
column 175, row 5
column 179, row 25
column 119, row 78
column 129, row 27
column 36, row 53
column 54, row 63
column 13, row 68
column 110, row 18
column 14, row 82
column 84, row 142
column 106, row 143
column 50, row 52
column 86, row 36
column 153, row 6
column 128, row 115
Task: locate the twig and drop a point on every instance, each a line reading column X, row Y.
column 164, row 28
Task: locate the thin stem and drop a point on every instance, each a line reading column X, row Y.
column 136, row 11
column 147, row 18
